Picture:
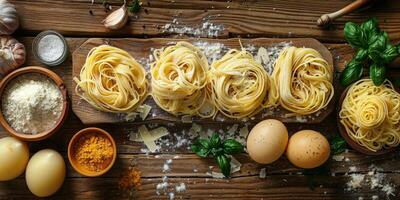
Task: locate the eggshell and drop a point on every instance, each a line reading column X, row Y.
column 267, row 141
column 45, row 173
column 308, row 149
column 14, row 155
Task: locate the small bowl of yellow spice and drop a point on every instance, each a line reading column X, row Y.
column 92, row 152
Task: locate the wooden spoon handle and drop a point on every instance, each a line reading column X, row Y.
column 328, row 18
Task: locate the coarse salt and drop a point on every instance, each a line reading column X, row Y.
column 180, row 188
column 50, row 48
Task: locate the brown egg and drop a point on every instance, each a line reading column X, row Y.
column 267, row 141
column 308, row 149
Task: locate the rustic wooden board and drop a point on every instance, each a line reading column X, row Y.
column 141, row 49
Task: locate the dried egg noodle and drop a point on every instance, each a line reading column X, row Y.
column 238, row 84
column 371, row 115
column 178, row 79
column 301, row 81
column 111, row 80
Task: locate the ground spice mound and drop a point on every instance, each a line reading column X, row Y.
column 94, row 152
column 130, row 179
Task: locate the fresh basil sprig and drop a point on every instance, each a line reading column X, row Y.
column 373, row 49
column 338, row 145
column 220, row 150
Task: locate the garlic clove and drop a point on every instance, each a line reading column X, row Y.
column 117, row 19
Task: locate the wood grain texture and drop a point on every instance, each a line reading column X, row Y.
column 251, row 18
column 189, row 165
column 277, row 187
column 141, row 49
column 245, row 183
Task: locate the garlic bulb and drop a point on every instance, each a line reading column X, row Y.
column 117, row 19
column 12, row 54
column 8, row 18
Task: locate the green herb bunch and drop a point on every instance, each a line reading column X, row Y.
column 373, row 48
column 135, row 6
column 220, row 150
column 338, row 145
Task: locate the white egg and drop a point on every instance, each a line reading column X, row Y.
column 45, row 173
column 14, row 156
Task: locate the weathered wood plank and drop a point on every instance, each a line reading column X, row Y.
column 190, row 165
column 278, row 187
column 246, row 18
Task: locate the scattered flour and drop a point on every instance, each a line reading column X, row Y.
column 204, row 29
column 373, row 180
column 263, row 173
column 162, row 187
column 180, row 188
column 338, row 158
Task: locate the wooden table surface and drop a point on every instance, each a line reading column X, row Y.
column 251, row 18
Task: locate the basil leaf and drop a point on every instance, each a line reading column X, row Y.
column 379, row 44
column 338, row 145
column 224, row 164
column 217, row 151
column 232, row 146
column 351, row 73
column 200, row 148
column 215, row 141
column 200, row 151
column 371, row 26
column 376, row 49
column 205, row 143
column 389, row 54
column 377, row 73
column 387, row 39
column 354, row 35
column 376, row 56
column 361, row 55
column 371, row 30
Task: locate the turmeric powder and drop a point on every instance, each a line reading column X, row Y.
column 94, row 152
column 130, row 179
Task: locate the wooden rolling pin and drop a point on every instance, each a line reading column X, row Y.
column 328, row 18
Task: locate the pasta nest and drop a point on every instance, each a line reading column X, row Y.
column 111, row 80
column 178, row 79
column 238, row 84
column 301, row 81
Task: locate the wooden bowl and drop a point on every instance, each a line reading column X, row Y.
column 76, row 165
column 57, row 80
column 350, row 141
